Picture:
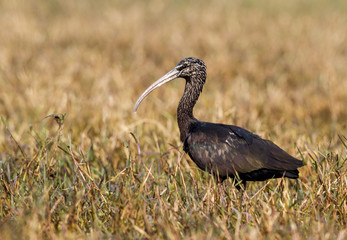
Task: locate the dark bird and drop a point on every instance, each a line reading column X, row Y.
column 223, row 150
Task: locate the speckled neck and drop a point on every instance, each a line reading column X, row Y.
column 190, row 96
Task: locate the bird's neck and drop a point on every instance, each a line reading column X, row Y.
column 185, row 108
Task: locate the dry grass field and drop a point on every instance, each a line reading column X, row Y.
column 95, row 170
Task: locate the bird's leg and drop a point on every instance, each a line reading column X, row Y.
column 244, row 193
column 239, row 183
column 244, row 184
column 242, row 188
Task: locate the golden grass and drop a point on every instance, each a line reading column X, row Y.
column 277, row 69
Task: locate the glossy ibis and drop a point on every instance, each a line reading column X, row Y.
column 223, row 150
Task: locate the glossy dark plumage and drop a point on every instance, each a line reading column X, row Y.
column 224, row 150
column 228, row 149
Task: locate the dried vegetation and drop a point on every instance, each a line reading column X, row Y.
column 95, row 170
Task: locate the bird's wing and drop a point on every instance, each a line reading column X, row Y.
column 227, row 149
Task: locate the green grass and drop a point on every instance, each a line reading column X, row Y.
column 93, row 169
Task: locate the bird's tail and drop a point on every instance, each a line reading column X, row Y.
column 292, row 174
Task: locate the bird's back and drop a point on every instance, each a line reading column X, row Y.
column 226, row 150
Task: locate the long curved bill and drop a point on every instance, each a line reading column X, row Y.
column 174, row 73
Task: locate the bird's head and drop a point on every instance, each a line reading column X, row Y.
column 189, row 68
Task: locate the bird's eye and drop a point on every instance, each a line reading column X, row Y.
column 180, row 67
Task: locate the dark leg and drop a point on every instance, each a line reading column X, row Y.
column 242, row 188
column 241, row 185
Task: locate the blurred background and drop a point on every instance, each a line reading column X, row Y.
column 275, row 68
